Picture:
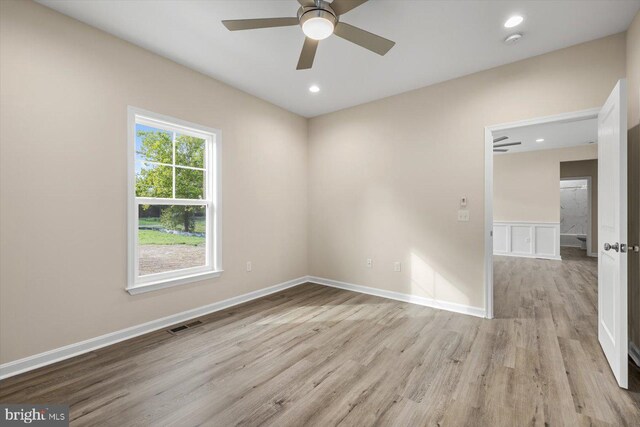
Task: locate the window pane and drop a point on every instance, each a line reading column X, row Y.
column 154, row 180
column 153, row 145
column 190, row 151
column 189, row 183
column 170, row 237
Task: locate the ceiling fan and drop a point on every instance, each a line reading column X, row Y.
column 319, row 19
column 499, row 148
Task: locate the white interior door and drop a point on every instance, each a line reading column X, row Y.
column 612, row 232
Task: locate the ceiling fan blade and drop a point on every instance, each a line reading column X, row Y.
column 343, row 6
column 308, row 54
column 507, row 144
column 501, row 138
column 363, row 38
column 252, row 24
column 500, row 150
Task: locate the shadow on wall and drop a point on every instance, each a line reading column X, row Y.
column 379, row 224
column 425, row 281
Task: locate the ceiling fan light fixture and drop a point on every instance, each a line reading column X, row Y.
column 318, row 20
column 317, row 28
column 317, row 23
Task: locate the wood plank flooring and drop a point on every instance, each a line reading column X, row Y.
column 314, row 355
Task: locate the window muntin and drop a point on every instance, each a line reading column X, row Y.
column 169, row 164
column 173, row 220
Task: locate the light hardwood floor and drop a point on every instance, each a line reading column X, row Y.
column 314, row 355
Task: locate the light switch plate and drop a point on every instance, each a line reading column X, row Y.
column 463, row 215
column 397, row 266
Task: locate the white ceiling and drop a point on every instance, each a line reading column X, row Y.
column 555, row 135
column 435, row 41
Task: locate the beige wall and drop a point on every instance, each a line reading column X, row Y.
column 381, row 180
column 526, row 186
column 386, row 177
column 64, row 89
column 579, row 169
column 633, row 71
column 633, row 77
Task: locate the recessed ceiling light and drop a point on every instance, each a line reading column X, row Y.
column 513, row 38
column 314, row 89
column 540, row 140
column 514, row 21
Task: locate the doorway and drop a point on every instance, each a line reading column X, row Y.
column 528, row 227
column 609, row 280
column 576, row 231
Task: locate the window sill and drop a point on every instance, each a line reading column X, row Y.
column 169, row 283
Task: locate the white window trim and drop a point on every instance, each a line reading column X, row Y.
column 151, row 282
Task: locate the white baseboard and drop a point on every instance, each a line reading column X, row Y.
column 634, row 353
column 48, row 357
column 413, row 299
column 56, row 355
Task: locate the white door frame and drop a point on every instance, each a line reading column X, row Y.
column 589, row 209
column 591, row 113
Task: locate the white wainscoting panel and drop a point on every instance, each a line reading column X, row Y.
column 546, row 241
column 521, row 239
column 500, row 239
column 527, row 239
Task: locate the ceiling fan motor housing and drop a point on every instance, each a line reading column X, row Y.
column 322, row 9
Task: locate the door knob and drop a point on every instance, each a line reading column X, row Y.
column 608, row 247
column 634, row 248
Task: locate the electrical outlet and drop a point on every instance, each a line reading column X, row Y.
column 249, row 266
column 369, row 262
column 397, row 266
column 463, row 215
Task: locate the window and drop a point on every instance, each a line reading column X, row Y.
column 174, row 210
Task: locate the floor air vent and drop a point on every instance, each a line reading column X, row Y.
column 177, row 329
